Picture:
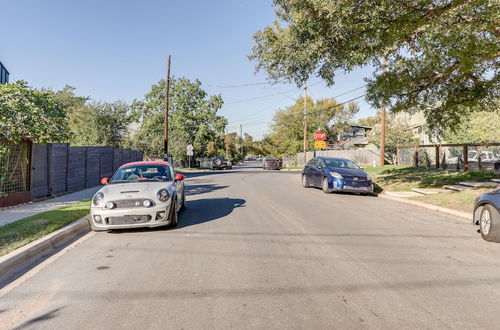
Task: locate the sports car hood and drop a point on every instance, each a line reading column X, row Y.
column 348, row 171
column 116, row 191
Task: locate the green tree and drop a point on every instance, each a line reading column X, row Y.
column 482, row 127
column 193, row 119
column 286, row 131
column 397, row 133
column 442, row 55
column 27, row 113
column 99, row 124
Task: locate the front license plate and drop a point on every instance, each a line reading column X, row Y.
column 355, row 188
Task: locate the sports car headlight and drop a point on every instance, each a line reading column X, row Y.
column 163, row 195
column 98, row 198
column 368, row 177
column 336, row 175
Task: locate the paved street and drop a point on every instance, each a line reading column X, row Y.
column 256, row 250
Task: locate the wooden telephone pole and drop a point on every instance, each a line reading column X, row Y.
column 165, row 126
column 382, row 127
column 305, row 123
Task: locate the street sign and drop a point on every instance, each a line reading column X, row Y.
column 319, row 145
column 319, row 135
column 190, row 152
column 189, row 147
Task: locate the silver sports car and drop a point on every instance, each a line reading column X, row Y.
column 140, row 194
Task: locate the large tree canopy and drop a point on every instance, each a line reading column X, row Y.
column 442, row 55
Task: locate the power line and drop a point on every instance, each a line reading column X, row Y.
column 246, row 85
column 268, row 95
column 334, row 106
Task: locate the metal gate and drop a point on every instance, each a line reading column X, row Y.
column 14, row 172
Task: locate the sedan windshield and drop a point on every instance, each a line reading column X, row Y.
column 270, row 159
column 341, row 163
column 141, row 173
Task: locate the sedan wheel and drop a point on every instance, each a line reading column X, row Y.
column 489, row 224
column 305, row 184
column 326, row 188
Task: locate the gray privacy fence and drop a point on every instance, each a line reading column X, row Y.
column 57, row 168
column 360, row 156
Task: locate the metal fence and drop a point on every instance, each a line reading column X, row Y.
column 452, row 157
column 30, row 171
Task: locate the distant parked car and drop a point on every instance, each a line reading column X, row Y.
column 487, row 215
column 140, row 194
column 270, row 163
column 335, row 175
column 221, row 163
column 486, row 156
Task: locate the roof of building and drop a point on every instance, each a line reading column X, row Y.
column 1, row 64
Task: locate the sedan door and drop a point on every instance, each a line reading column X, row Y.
column 319, row 167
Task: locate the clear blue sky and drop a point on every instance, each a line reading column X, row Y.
column 114, row 49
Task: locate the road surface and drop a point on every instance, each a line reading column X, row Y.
column 255, row 250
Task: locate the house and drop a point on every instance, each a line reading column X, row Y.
column 4, row 74
column 356, row 136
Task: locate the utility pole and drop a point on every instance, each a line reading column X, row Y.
column 305, row 123
column 165, row 126
column 382, row 126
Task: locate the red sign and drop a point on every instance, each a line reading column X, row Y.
column 319, row 136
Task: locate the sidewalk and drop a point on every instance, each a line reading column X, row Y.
column 26, row 210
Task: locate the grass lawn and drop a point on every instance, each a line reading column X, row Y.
column 461, row 201
column 404, row 178
column 21, row 232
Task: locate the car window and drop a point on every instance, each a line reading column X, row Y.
column 342, row 163
column 141, row 173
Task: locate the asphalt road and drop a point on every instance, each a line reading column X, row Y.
column 256, row 250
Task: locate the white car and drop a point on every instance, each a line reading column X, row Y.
column 140, row 194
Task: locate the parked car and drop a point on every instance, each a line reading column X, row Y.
column 486, row 215
column 139, row 194
column 335, row 175
column 221, row 163
column 270, row 163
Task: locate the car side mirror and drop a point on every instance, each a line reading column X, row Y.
column 179, row 177
column 104, row 180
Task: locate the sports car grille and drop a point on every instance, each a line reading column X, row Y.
column 130, row 203
column 127, row 219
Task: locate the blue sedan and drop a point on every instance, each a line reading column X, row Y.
column 335, row 175
column 487, row 215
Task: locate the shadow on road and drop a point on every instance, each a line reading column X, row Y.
column 197, row 189
column 197, row 212
column 43, row 317
column 209, row 209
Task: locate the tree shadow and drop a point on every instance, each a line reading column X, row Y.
column 43, row 317
column 204, row 210
column 197, row 189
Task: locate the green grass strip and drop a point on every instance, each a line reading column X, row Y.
column 21, row 232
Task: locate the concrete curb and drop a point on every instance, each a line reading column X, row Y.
column 435, row 208
column 19, row 258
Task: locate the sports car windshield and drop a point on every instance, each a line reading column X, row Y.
column 341, row 163
column 141, row 173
